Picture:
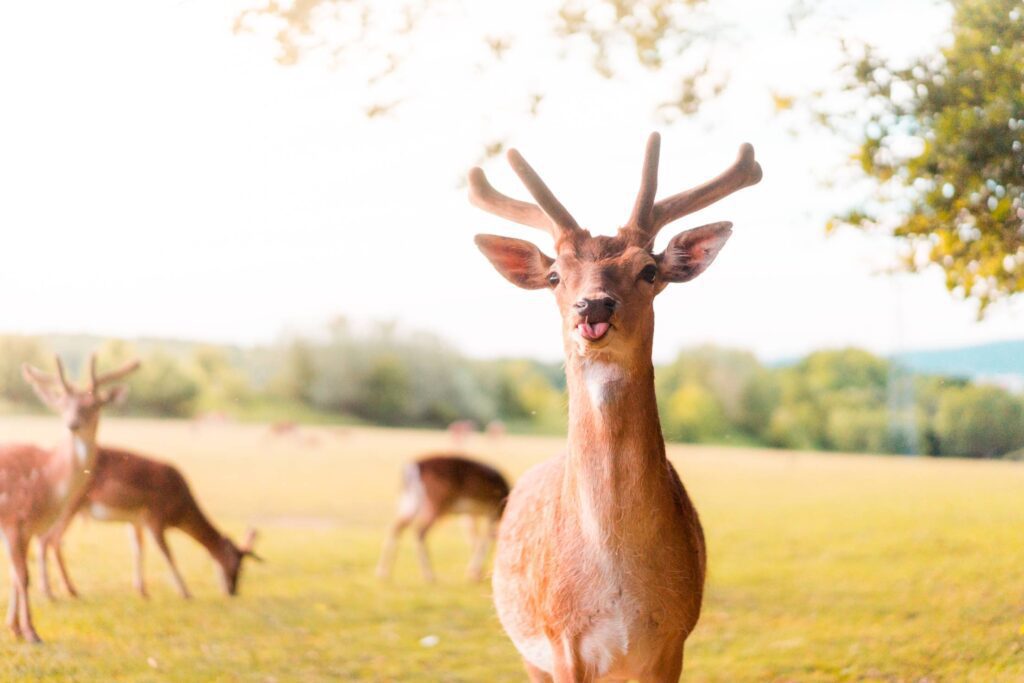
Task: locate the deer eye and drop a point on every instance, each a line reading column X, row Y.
column 553, row 279
column 649, row 273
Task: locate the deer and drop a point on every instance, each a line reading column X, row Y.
column 41, row 487
column 600, row 562
column 147, row 494
column 439, row 485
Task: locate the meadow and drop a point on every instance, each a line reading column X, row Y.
column 823, row 567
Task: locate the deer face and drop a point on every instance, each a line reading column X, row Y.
column 79, row 409
column 605, row 286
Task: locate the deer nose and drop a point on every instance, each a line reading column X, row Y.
column 596, row 310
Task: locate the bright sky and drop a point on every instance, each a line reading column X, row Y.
column 161, row 176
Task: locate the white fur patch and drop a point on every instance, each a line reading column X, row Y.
column 105, row 513
column 81, row 450
column 470, row 506
column 100, row 511
column 590, row 524
column 537, row 651
column 413, row 493
column 600, row 378
column 606, row 640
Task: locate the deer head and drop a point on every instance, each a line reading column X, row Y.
column 231, row 560
column 79, row 408
column 605, row 286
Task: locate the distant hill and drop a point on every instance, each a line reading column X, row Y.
column 998, row 358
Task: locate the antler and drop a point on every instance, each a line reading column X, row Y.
column 68, row 389
column 643, row 212
column 649, row 217
column 246, row 547
column 98, row 380
column 547, row 214
column 34, row 374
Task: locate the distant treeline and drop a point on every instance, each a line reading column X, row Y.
column 843, row 400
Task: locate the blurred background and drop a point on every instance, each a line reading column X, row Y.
column 266, row 201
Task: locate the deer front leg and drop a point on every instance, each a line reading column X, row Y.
column 19, row 614
column 12, row 604
column 161, row 543
column 669, row 666
column 53, row 540
column 138, row 575
column 58, row 552
column 44, row 575
column 568, row 665
column 483, row 545
column 421, row 546
column 387, row 554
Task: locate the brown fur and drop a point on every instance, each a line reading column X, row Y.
column 153, row 495
column 41, row 487
column 601, row 560
column 439, row 485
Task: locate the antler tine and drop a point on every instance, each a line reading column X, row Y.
column 483, row 196
column 642, row 217
column 115, row 375
column 745, row 171
column 93, row 384
column 248, row 539
column 561, row 218
column 62, row 376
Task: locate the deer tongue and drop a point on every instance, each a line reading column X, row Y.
column 592, row 331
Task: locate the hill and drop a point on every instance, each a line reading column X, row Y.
column 998, row 358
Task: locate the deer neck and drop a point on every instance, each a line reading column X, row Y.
column 616, row 468
column 82, row 449
column 67, row 474
column 72, row 462
column 198, row 526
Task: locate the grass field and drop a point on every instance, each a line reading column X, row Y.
column 822, row 568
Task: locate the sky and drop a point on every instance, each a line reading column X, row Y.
column 163, row 176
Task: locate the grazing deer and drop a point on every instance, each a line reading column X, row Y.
column 41, row 487
column 147, row 494
column 447, row 485
column 599, row 572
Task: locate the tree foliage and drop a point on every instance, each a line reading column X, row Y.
column 15, row 350
column 943, row 141
column 842, row 400
column 379, row 39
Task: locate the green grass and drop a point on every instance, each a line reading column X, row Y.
column 822, row 568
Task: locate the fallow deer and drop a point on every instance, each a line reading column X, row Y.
column 441, row 485
column 147, row 494
column 599, row 571
column 40, row 487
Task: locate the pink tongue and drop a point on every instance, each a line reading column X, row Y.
column 592, row 332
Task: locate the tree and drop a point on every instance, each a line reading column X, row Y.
column 385, row 391
column 693, row 414
column 943, row 143
column 161, row 386
column 15, row 350
column 979, row 421
column 376, row 41
column 221, row 382
column 297, row 371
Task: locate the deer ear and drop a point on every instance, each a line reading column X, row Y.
column 689, row 253
column 519, row 261
column 41, row 384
